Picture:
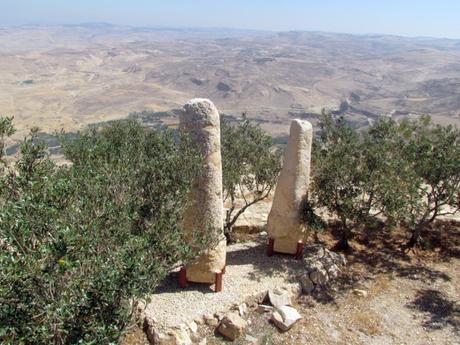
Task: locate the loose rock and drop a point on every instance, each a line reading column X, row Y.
column 242, row 309
column 262, row 308
column 210, row 320
column 232, row 326
column 319, row 277
column 278, row 298
column 307, row 285
column 360, row 293
column 193, row 326
column 180, row 337
column 285, row 317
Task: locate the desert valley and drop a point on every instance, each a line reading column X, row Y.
column 65, row 77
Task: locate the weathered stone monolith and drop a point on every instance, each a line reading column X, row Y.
column 284, row 225
column 200, row 119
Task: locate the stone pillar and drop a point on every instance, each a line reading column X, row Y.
column 284, row 227
column 200, row 119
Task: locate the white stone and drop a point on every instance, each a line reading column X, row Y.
column 262, row 308
column 285, row 317
column 181, row 337
column 192, row 326
column 284, row 225
column 219, row 316
column 242, row 309
column 200, row 119
column 279, row 298
column 333, row 271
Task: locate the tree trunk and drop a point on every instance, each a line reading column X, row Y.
column 415, row 238
column 343, row 245
column 316, row 237
column 228, row 234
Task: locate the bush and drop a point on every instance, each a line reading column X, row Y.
column 408, row 172
column 348, row 176
column 78, row 241
column 250, row 167
column 429, row 178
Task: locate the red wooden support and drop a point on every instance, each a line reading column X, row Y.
column 299, row 252
column 183, row 278
column 218, row 282
column 271, row 245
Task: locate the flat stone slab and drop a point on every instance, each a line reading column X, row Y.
column 249, row 272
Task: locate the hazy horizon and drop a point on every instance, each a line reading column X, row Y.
column 436, row 19
column 205, row 28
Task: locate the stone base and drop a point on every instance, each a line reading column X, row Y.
column 218, row 279
column 285, row 245
column 272, row 249
column 208, row 264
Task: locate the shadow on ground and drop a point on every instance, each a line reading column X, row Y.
column 377, row 250
column 380, row 250
column 439, row 310
column 251, row 254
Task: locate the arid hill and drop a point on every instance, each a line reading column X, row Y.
column 68, row 76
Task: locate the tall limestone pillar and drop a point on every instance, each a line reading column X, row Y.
column 204, row 213
column 284, row 227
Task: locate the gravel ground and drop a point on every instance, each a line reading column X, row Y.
column 410, row 298
column 409, row 310
column 249, row 272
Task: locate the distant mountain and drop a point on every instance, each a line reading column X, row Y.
column 96, row 71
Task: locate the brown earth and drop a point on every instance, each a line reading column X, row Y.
column 410, row 298
column 69, row 76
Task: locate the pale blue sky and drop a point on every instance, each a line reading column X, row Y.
column 438, row 18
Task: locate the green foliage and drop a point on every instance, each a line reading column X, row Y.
column 429, row 176
column 346, row 174
column 78, row 241
column 6, row 130
column 408, row 172
column 250, row 166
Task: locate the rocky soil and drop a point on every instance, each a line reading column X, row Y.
column 385, row 296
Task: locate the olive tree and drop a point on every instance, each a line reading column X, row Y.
column 408, row 172
column 429, row 184
column 350, row 176
column 250, row 166
column 81, row 241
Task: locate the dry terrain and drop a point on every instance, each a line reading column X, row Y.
column 69, row 76
column 411, row 298
column 385, row 296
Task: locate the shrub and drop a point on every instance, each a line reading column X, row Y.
column 407, row 171
column 80, row 240
column 250, row 167
column 429, row 180
column 353, row 174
